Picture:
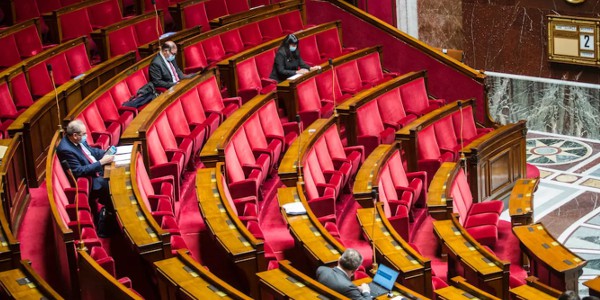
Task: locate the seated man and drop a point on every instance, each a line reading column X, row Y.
column 84, row 160
column 164, row 72
column 339, row 278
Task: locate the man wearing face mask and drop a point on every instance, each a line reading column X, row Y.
column 288, row 61
column 84, row 160
column 164, row 72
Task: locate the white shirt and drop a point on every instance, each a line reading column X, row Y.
column 169, row 65
column 88, row 153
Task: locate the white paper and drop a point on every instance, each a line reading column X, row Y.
column 122, row 163
column 2, row 151
column 122, row 157
column 294, row 208
column 124, row 149
column 294, row 77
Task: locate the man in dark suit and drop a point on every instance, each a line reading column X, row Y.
column 339, row 278
column 84, row 160
column 164, row 72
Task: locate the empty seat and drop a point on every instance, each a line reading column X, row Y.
column 415, row 98
column 446, row 138
column 329, row 44
column 195, row 114
column 310, row 50
column 329, row 88
column 232, row 42
column 162, row 162
column 258, row 140
column 251, row 35
column 250, row 83
column 285, row 133
column 429, row 156
column 470, row 131
column 194, row 58
column 355, row 155
column 158, row 194
column 170, row 143
column 348, row 78
column 310, row 105
column 371, row 131
column 414, row 183
column 270, row 28
column 97, row 126
column 184, row 130
column 291, row 22
column 396, row 206
column 212, row 100
column 392, row 111
column 370, row 70
column 194, row 15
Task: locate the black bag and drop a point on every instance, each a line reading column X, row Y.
column 144, row 95
column 107, row 223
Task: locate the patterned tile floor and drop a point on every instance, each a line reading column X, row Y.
column 567, row 201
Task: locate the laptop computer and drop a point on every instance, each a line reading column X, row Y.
column 383, row 282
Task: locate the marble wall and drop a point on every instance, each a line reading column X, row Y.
column 441, row 22
column 553, row 106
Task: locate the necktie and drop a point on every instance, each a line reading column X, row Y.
column 88, row 157
column 174, row 72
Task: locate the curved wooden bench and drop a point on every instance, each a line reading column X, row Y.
column 39, row 121
column 547, row 259
column 240, row 246
column 520, row 203
column 480, row 267
column 230, row 18
column 534, row 290
column 461, row 289
column 439, row 202
column 182, row 277
column 23, row 283
column 394, row 251
column 98, row 283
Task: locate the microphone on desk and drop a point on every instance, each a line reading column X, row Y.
column 463, row 158
column 375, row 196
column 67, row 169
column 298, row 167
column 51, row 73
column 335, row 113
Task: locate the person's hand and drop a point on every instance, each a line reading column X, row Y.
column 106, row 159
column 302, row 71
column 364, row 288
column 315, row 68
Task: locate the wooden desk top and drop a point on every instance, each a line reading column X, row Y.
column 135, row 224
column 521, row 197
column 399, row 290
column 467, row 248
column 308, row 230
column 539, row 241
column 368, row 174
column 391, row 245
column 289, row 281
column 593, row 284
column 23, row 283
column 528, row 292
column 184, row 272
column 436, row 196
column 219, row 217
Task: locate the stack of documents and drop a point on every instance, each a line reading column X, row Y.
column 123, row 155
column 294, row 208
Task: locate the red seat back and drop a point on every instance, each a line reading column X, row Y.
column 78, row 60
column 348, row 76
column 232, row 41
column 105, row 13
column 213, row 49
column 93, row 119
column 46, row 6
column 192, row 107
column 465, row 190
column 308, row 96
column 122, row 41
column 369, row 120
column 271, row 27
column 74, row 24
column 235, row 173
column 167, row 138
column 216, row 8
column 469, row 129
column 270, row 121
column 210, row 95
column 28, row 41
column 264, row 62
column 328, row 86
column 247, row 74
column 309, row 50
column 444, row 133
column 21, row 93
column 291, row 22
column 195, row 15
column 397, row 172
column 323, row 156
column 136, row 80
column 177, row 120
column 146, row 31
column 458, row 203
column 156, row 152
column 369, row 67
column 107, row 107
column 194, row 57
column 254, row 130
column 25, row 10
column 329, row 43
column 334, row 142
column 390, row 106
column 10, row 52
column 427, row 146
column 237, row 6
column 251, row 34
column 7, row 106
column 414, row 95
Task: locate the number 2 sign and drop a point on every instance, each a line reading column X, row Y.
column 586, row 41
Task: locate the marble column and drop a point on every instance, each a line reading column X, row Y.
column 408, row 17
column 440, row 23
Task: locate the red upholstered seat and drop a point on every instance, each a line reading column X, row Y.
column 251, row 35
column 330, row 45
column 28, row 41
column 445, row 137
column 28, row 9
column 182, row 130
column 169, row 224
column 194, row 15
column 247, row 158
column 396, row 211
column 170, row 143
column 429, row 156
column 392, row 111
column 177, row 242
column 250, row 83
column 74, row 24
column 21, row 93
column 321, row 197
column 163, row 163
column 329, row 88
column 328, row 165
column 232, row 42
column 146, row 30
column 371, row 131
column 310, row 106
column 237, row 6
column 286, row 133
column 122, row 41
column 491, row 206
column 310, row 50
column 355, row 155
column 243, row 182
column 324, row 178
column 194, row 58
column 157, row 194
column 414, row 182
column 8, row 109
column 95, row 140
column 264, row 63
column 348, row 78
column 110, row 112
column 213, row 49
column 162, row 5
column 470, row 131
column 370, row 70
column 10, row 52
column 216, row 8
column 291, row 22
column 213, row 102
column 270, row 28
column 46, row 6
column 195, row 114
column 415, row 98
column 104, row 14
column 258, row 140
column 97, row 127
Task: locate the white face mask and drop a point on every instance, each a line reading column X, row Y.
column 293, row 48
column 83, row 138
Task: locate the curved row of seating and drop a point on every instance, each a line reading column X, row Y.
column 19, row 42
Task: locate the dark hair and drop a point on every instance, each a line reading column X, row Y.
column 350, row 260
column 590, row 298
column 285, row 44
column 165, row 46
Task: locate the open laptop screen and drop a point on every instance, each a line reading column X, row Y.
column 385, row 277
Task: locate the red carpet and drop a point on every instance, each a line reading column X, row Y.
column 35, row 234
column 189, row 219
column 271, row 222
column 350, row 231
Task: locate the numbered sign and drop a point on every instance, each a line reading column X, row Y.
column 573, row 40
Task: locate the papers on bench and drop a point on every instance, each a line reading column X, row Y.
column 294, row 77
column 294, row 208
column 2, row 152
column 123, row 155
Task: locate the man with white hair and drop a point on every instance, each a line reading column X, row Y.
column 84, row 160
column 339, row 278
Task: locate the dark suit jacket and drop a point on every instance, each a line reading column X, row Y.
column 337, row 280
column 284, row 66
column 160, row 75
column 78, row 162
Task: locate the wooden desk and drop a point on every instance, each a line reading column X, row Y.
column 97, row 283
column 480, row 266
column 318, row 245
column 367, row 177
column 288, row 171
column 461, row 289
column 393, row 251
column 253, row 11
column 594, row 286
column 24, row 283
column 439, row 202
column 520, row 204
column 242, row 248
column 287, row 282
column 182, row 276
column 545, row 252
column 399, row 290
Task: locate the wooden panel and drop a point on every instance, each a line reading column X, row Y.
column 24, row 283
column 461, row 289
column 534, row 290
column 594, row 286
column 439, row 204
column 395, row 252
column 479, row 266
column 367, row 177
column 224, row 20
column 520, row 204
column 244, row 250
column 182, row 275
column 98, row 283
column 53, row 19
column 545, row 252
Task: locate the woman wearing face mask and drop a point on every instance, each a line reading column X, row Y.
column 288, row 61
